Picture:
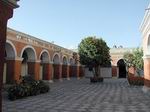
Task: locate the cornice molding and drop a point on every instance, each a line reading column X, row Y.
column 12, row 3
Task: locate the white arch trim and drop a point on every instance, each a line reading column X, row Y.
column 58, row 57
column 49, row 57
column 147, row 45
column 64, row 56
column 70, row 60
column 29, row 46
column 56, row 54
column 13, row 46
column 117, row 61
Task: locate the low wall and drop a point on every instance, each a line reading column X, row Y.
column 88, row 73
column 105, row 72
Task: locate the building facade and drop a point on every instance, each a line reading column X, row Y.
column 28, row 55
column 25, row 54
column 145, row 30
column 117, row 62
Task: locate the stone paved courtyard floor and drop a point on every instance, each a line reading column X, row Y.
column 113, row 95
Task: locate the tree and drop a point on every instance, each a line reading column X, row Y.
column 94, row 53
column 135, row 59
column 128, row 58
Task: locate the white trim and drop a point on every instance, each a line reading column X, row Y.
column 44, row 50
column 13, row 46
column 16, row 58
column 55, row 54
column 58, row 57
column 68, row 78
column 51, row 81
column 145, row 18
column 51, row 62
column 147, row 39
column 64, row 56
column 60, row 63
column 72, row 60
column 146, row 56
column 29, row 46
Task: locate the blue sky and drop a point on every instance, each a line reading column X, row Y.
column 67, row 22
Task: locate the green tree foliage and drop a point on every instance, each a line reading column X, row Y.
column 134, row 59
column 128, row 58
column 94, row 52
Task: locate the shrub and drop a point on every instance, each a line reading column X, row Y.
column 27, row 87
column 135, row 80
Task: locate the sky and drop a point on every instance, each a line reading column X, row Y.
column 67, row 22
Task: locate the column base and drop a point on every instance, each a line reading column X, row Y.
column 146, row 90
column 78, row 78
column 61, row 80
column 50, row 81
column 68, row 78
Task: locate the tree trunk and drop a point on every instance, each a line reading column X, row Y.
column 96, row 71
column 99, row 71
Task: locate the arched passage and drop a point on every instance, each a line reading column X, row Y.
column 64, row 67
column 56, row 66
column 122, row 68
column 10, row 50
column 10, row 54
column 29, row 57
column 73, row 68
column 148, row 45
column 44, row 57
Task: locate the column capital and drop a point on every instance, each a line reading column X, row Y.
column 37, row 61
column 18, row 58
column 78, row 64
column 45, row 62
column 51, row 62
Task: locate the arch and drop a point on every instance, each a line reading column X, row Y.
column 71, row 61
column 10, row 50
column 73, row 68
column 10, row 54
column 56, row 66
column 148, row 45
column 64, row 67
column 122, row 68
column 44, row 56
column 31, row 53
column 56, row 58
column 64, row 60
column 28, row 54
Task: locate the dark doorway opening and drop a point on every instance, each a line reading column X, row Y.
column 122, row 68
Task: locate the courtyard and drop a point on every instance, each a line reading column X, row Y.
column 113, row 95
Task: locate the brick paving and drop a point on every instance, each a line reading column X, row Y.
column 113, row 95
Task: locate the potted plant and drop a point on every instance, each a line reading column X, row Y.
column 94, row 53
